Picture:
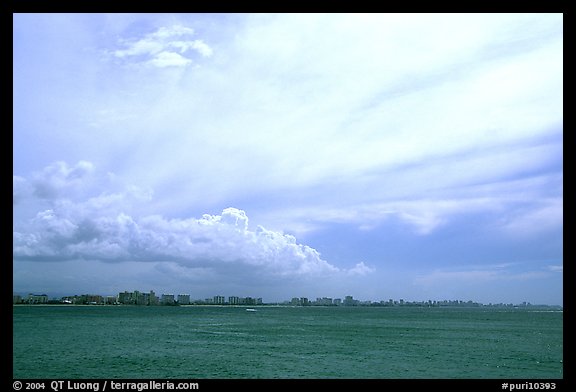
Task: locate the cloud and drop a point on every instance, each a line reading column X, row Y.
column 201, row 47
column 529, row 280
column 20, row 189
column 556, row 268
column 547, row 214
column 214, row 241
column 477, row 275
column 59, row 177
column 423, row 108
column 99, row 229
column 169, row 59
column 444, row 277
column 423, row 223
column 166, row 47
column 524, row 205
column 422, row 216
column 361, row 269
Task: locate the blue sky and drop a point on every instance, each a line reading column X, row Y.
column 414, row 156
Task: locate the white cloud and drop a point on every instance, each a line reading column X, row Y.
column 545, row 215
column 300, row 100
column 198, row 45
column 361, row 269
column 556, row 268
column 169, row 59
column 516, row 199
column 235, row 217
column 201, row 47
column 218, row 242
column 142, row 47
column 98, row 228
column 423, row 216
column 164, row 48
column 425, row 222
column 172, row 31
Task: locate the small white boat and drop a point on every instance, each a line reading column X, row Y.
column 250, row 310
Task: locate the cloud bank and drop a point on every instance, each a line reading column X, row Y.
column 93, row 230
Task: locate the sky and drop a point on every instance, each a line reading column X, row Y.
column 383, row 156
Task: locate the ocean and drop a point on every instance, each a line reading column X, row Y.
column 228, row 342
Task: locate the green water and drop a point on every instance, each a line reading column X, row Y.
column 284, row 342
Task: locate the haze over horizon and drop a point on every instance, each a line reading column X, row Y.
column 414, row 156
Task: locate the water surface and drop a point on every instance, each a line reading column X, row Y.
column 285, row 342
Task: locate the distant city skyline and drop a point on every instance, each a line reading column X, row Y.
column 409, row 156
column 150, row 297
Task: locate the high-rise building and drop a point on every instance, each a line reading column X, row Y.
column 234, row 300
column 324, row 301
column 137, row 298
column 37, row 298
column 141, row 298
column 219, row 300
column 153, row 299
column 167, row 299
column 92, row 299
column 183, row 299
column 125, row 298
column 349, row 301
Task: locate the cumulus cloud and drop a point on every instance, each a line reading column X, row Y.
column 360, row 269
column 100, row 229
column 59, row 177
column 214, row 241
column 166, row 47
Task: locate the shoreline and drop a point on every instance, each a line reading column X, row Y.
column 546, row 308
